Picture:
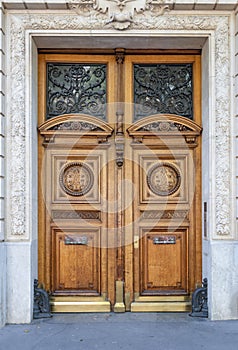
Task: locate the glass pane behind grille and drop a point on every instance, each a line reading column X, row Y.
column 76, row 88
column 163, row 88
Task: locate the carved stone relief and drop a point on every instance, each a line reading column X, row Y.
column 19, row 125
column 119, row 13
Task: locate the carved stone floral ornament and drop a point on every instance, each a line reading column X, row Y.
column 120, row 12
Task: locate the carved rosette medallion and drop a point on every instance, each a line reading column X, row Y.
column 76, row 179
column 164, row 179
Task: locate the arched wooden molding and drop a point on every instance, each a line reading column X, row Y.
column 165, row 125
column 80, row 125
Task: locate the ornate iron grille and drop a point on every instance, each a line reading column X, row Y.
column 76, row 88
column 163, row 88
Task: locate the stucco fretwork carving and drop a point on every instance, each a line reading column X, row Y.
column 18, row 121
column 120, row 13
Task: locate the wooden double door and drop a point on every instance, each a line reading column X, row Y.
column 119, row 181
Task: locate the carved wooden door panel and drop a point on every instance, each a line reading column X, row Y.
column 164, row 217
column 164, row 209
column 119, row 181
column 75, row 177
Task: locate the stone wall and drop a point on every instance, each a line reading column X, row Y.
column 2, row 285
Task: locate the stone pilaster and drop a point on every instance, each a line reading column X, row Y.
column 236, row 113
column 2, row 172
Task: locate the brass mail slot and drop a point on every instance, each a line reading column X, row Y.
column 164, row 240
column 76, row 240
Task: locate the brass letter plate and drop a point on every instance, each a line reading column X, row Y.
column 76, row 240
column 164, row 240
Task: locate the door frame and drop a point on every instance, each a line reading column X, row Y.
column 129, row 295
column 21, row 230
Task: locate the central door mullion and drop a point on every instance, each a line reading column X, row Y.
column 119, row 148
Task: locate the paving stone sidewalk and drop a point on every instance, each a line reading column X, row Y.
column 129, row 331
